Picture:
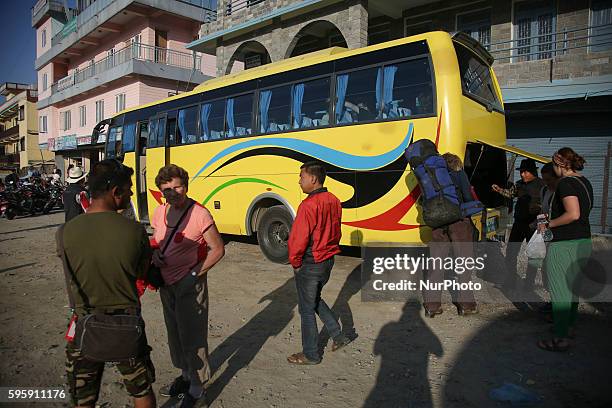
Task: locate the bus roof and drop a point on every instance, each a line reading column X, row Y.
column 288, row 64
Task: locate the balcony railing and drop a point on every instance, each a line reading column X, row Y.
column 11, row 158
column 8, row 133
column 78, row 17
column 234, row 6
column 40, row 5
column 140, row 52
column 550, row 45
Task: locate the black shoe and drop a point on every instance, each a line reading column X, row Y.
column 179, row 386
column 340, row 341
column 189, row 401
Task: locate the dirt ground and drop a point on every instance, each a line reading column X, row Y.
column 399, row 359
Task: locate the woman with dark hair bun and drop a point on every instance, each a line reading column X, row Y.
column 570, row 248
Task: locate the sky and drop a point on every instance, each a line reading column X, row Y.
column 19, row 49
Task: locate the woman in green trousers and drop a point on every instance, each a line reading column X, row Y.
column 570, row 248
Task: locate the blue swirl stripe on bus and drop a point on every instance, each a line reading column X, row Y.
column 323, row 153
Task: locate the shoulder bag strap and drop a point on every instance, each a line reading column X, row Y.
column 178, row 224
column 68, row 272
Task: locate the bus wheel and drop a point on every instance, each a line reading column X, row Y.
column 273, row 233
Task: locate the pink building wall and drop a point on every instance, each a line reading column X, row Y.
column 39, row 47
column 137, row 90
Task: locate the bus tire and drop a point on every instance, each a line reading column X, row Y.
column 273, row 233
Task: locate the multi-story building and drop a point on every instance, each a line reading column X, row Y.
column 19, row 147
column 552, row 57
column 104, row 56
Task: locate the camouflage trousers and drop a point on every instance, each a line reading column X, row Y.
column 84, row 376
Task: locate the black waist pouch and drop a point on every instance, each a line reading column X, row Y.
column 110, row 338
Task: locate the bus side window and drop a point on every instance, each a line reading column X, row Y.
column 152, row 133
column 161, row 132
column 129, row 137
column 310, row 103
column 187, row 125
column 239, row 116
column 143, row 137
column 212, row 119
column 275, row 109
column 171, row 136
column 407, row 89
column 358, row 96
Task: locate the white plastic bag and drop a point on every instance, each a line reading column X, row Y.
column 536, row 247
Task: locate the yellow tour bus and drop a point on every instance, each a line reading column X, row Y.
column 243, row 138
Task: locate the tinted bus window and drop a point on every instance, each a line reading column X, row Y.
column 152, row 133
column 161, row 131
column 407, row 89
column 275, row 109
column 171, row 129
column 188, row 125
column 212, row 119
column 113, row 145
column 239, row 115
column 129, row 137
column 476, row 81
column 358, row 96
column 310, row 103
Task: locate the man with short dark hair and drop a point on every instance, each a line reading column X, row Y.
column 313, row 242
column 103, row 275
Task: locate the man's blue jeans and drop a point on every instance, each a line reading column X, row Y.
column 309, row 281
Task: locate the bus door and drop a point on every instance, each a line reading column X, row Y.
column 155, row 159
column 142, row 137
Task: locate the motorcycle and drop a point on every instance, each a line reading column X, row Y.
column 56, row 192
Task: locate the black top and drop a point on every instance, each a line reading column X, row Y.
column 581, row 228
column 528, row 204
column 72, row 203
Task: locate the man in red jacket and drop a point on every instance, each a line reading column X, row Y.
column 313, row 242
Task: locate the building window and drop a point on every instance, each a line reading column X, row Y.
column 414, row 28
column 534, row 30
column 379, row 33
column 82, row 116
column 119, row 102
column 44, row 82
column 99, row 111
column 21, row 113
column 477, row 25
column 43, row 124
column 66, row 120
column 43, row 38
column 601, row 25
column 22, row 144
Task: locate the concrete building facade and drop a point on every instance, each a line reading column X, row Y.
column 106, row 56
column 19, row 147
column 552, row 58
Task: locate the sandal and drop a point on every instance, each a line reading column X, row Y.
column 301, row 359
column 556, row 345
column 337, row 345
column 571, row 332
